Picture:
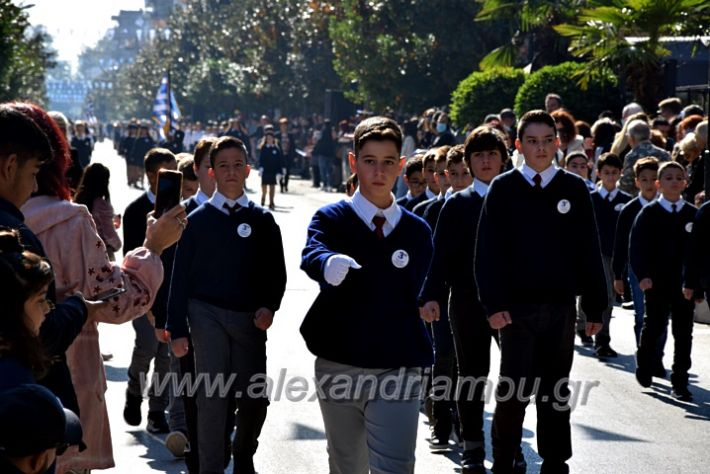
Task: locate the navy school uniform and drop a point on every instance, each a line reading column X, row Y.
column 620, row 257
column 607, row 206
column 271, row 161
column 420, row 208
column 659, row 248
column 697, row 271
column 371, row 319
column 451, row 282
column 226, row 267
column 517, row 271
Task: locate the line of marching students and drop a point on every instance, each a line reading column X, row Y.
column 430, row 281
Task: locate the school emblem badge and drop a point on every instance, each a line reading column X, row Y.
column 689, row 227
column 400, row 258
column 244, row 230
column 618, row 207
column 563, row 206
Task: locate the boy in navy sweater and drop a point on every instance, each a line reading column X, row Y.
column 660, row 243
column 435, row 176
column 229, row 308
column 414, row 179
column 646, row 173
column 370, row 257
column 608, row 201
column 529, row 291
column 450, row 282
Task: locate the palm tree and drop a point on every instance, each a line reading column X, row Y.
column 625, row 37
column 532, row 38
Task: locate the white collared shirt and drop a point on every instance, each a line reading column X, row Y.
column 546, row 175
column 201, row 197
column 644, row 202
column 218, row 200
column 151, row 196
column 365, row 210
column 479, row 187
column 668, row 205
column 604, row 193
column 429, row 193
column 448, row 194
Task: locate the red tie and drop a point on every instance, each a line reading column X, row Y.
column 379, row 222
column 537, row 179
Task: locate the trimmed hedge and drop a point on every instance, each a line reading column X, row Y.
column 601, row 94
column 483, row 93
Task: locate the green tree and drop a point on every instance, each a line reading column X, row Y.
column 585, row 104
column 482, row 93
column 530, row 37
column 25, row 55
column 406, row 54
column 600, row 36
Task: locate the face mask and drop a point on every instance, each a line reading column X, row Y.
column 441, row 127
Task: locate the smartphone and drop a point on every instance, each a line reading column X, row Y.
column 107, row 295
column 169, row 189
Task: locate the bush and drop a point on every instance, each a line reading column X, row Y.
column 483, row 93
column 601, row 94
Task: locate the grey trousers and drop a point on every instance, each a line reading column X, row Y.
column 229, row 351
column 374, row 430
column 603, row 337
column 145, row 349
column 176, row 408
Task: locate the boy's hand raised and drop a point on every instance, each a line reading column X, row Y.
column 263, row 318
column 430, row 311
column 500, row 320
column 646, row 284
column 337, row 267
column 179, row 347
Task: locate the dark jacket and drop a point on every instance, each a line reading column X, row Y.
column 62, row 324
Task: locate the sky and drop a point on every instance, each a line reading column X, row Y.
column 76, row 24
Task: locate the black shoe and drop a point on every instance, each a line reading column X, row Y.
column 606, row 351
column 586, row 340
column 643, row 378
column 244, row 466
column 438, row 443
column 157, row 424
column 519, row 465
column 472, row 461
column 682, row 393
column 554, row 468
column 132, row 409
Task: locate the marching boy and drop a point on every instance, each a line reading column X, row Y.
column 660, row 243
column 369, row 256
column 228, row 280
column 528, row 291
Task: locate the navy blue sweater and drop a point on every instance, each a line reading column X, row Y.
column 214, row 264
column 607, row 214
column 454, row 244
column 620, row 259
column 539, row 245
column 660, row 243
column 697, row 273
column 371, row 319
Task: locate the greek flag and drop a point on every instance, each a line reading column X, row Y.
column 165, row 114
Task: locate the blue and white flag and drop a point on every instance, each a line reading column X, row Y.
column 161, row 108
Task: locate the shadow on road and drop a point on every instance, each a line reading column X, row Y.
column 157, row 455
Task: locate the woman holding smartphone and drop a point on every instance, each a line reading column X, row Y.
column 81, row 264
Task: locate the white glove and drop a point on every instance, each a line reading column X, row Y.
column 337, row 267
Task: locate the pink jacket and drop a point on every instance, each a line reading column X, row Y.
column 102, row 212
column 78, row 257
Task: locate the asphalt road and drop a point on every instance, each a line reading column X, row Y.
column 617, row 426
